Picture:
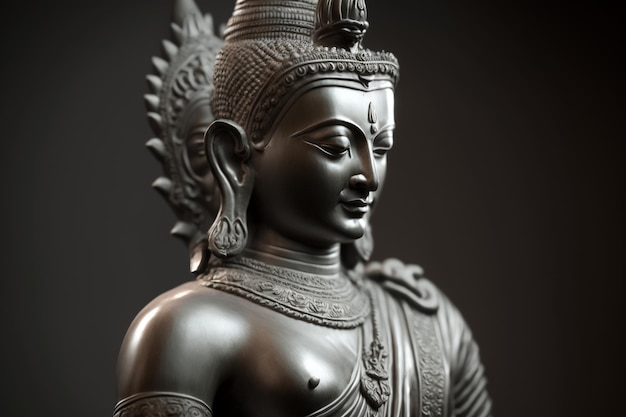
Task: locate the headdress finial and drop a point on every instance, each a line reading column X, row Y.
column 340, row 23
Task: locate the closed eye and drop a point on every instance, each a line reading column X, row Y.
column 380, row 152
column 331, row 149
column 195, row 145
column 383, row 144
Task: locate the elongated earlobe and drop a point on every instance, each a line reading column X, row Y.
column 228, row 150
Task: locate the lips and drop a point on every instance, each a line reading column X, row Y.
column 357, row 206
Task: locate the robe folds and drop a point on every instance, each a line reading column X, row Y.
column 432, row 360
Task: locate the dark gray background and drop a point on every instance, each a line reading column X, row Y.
column 503, row 184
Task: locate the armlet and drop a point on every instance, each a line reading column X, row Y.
column 161, row 404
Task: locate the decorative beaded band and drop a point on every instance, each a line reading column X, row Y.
column 162, row 404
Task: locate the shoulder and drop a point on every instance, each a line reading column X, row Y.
column 180, row 342
column 407, row 281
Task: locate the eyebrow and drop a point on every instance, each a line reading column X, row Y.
column 325, row 123
column 345, row 123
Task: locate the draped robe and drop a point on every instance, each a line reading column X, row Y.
column 433, row 361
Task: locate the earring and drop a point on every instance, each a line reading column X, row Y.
column 227, row 237
column 228, row 150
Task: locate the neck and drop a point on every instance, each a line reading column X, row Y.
column 303, row 284
column 282, row 252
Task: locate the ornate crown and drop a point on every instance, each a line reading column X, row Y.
column 273, row 47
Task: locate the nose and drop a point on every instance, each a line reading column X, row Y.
column 367, row 176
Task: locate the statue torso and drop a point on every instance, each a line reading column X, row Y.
column 243, row 358
column 247, row 360
column 282, row 366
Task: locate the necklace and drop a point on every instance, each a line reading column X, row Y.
column 333, row 301
column 339, row 301
column 375, row 380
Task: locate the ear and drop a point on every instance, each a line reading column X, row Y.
column 228, row 150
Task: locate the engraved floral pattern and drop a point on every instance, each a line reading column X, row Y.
column 162, row 405
column 432, row 368
column 334, row 302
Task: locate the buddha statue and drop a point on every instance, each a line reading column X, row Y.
column 287, row 315
column 179, row 111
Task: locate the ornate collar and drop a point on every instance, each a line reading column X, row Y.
column 333, row 301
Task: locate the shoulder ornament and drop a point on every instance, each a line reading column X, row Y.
column 406, row 281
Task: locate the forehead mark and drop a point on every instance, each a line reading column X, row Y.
column 372, row 117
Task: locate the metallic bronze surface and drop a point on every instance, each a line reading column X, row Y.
column 287, row 316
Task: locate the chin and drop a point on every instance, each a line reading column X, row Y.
column 344, row 231
column 352, row 230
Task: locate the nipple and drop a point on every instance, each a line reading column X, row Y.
column 313, row 382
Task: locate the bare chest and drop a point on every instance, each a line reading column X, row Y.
column 288, row 368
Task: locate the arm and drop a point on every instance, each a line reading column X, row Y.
column 468, row 395
column 468, row 383
column 172, row 356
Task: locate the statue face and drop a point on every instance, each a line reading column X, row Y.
column 319, row 176
column 199, row 180
column 199, row 118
